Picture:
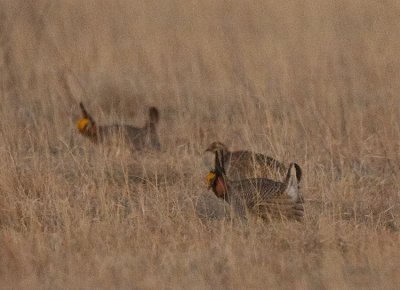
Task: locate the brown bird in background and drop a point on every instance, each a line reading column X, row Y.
column 145, row 137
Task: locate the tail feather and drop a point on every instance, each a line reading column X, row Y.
column 294, row 171
column 293, row 178
column 154, row 115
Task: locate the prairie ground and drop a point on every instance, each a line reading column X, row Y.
column 315, row 82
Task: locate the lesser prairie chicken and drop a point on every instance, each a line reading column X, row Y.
column 140, row 138
column 262, row 196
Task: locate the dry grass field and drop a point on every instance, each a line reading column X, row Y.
column 316, row 82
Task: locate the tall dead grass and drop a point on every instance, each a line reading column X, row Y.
column 314, row 82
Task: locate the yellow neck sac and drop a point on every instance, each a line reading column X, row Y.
column 210, row 179
column 82, row 124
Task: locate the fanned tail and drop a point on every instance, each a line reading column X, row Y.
column 154, row 115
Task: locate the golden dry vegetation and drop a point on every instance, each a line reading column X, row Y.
column 316, row 82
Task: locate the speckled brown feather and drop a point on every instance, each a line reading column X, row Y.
column 246, row 164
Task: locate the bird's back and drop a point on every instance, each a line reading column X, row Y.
column 139, row 138
column 246, row 164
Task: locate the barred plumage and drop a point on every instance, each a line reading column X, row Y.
column 246, row 164
column 262, row 196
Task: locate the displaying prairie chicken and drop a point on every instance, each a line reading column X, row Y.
column 138, row 138
column 246, row 164
column 262, row 196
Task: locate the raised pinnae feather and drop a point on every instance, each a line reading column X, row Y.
column 85, row 113
column 217, row 146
